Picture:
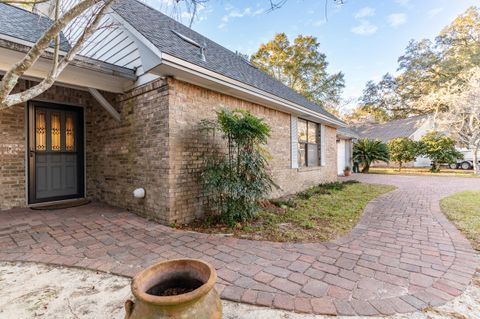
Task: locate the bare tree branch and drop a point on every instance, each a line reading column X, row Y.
column 462, row 118
column 11, row 77
column 60, row 66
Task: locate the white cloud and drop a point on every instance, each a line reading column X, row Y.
column 319, row 22
column 233, row 13
column 365, row 12
column 402, row 2
column 434, row 12
column 397, row 19
column 365, row 28
column 187, row 14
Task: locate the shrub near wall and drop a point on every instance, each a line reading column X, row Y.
column 236, row 180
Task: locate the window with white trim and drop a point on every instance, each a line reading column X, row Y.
column 308, row 143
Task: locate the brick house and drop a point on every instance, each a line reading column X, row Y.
column 124, row 116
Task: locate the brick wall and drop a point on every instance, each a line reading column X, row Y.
column 119, row 156
column 13, row 143
column 188, row 105
column 157, row 145
column 12, row 158
column 131, row 154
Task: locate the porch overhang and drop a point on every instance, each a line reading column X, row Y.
column 81, row 73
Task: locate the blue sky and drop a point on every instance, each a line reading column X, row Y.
column 362, row 38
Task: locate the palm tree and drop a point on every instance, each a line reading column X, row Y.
column 366, row 151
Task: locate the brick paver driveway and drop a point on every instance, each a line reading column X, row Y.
column 403, row 255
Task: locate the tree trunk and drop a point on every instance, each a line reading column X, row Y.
column 366, row 168
column 399, row 166
column 476, row 168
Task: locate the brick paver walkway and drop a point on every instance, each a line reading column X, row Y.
column 403, row 255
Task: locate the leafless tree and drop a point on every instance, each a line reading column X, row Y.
column 462, row 119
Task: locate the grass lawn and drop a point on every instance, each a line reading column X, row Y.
column 463, row 209
column 320, row 213
column 422, row 171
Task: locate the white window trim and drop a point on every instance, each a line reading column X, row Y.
column 294, row 140
column 322, row 146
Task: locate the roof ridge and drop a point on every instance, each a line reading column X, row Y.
column 234, row 54
column 214, row 47
column 394, row 121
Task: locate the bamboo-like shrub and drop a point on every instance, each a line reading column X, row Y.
column 237, row 179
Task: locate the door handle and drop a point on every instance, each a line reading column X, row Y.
column 31, row 153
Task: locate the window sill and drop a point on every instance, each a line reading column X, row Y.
column 309, row 169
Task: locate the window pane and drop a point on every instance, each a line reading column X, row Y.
column 40, row 132
column 302, row 131
column 312, row 133
column 69, row 133
column 301, row 155
column 312, row 155
column 55, row 131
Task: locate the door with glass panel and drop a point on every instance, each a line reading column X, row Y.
column 55, row 152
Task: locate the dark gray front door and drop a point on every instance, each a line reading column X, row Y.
column 55, row 152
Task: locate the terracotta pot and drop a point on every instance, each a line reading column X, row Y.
column 346, row 173
column 149, row 285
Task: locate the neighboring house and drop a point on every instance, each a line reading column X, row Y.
column 413, row 127
column 345, row 139
column 124, row 116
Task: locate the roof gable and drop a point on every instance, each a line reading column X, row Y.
column 163, row 32
column 393, row 129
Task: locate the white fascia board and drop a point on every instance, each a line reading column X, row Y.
column 189, row 72
column 72, row 75
column 27, row 43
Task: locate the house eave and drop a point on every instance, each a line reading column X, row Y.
column 191, row 73
column 81, row 72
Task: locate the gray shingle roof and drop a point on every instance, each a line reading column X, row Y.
column 25, row 25
column 347, row 131
column 390, row 130
column 157, row 28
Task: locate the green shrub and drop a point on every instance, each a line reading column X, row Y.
column 235, row 181
column 403, row 150
column 366, row 151
column 440, row 149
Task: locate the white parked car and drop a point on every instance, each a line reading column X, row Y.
column 467, row 162
column 462, row 164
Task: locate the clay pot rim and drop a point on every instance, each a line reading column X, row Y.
column 177, row 299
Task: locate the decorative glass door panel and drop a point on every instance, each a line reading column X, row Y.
column 56, row 156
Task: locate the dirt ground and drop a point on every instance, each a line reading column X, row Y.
column 29, row 290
